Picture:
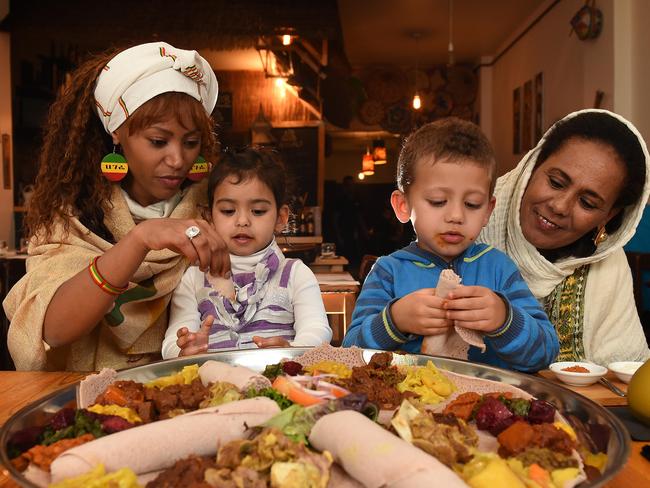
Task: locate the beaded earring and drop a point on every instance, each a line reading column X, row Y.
column 199, row 169
column 114, row 166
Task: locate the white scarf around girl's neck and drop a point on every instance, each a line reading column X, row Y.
column 246, row 264
column 263, row 265
column 158, row 210
column 504, row 229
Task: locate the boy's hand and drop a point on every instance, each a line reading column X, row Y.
column 476, row 307
column 192, row 343
column 270, row 341
column 420, row 312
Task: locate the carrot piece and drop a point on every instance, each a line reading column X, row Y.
column 281, row 384
column 115, row 395
column 295, row 392
column 539, row 475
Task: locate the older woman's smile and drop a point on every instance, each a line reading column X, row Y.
column 544, row 223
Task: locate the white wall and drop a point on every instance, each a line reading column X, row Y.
column 6, row 196
column 632, row 72
column 573, row 71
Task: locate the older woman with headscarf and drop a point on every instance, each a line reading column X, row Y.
column 105, row 254
column 564, row 214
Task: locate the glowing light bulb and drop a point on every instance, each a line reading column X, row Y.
column 280, row 85
column 286, row 39
column 417, row 103
column 361, row 176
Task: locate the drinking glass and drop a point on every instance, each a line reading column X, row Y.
column 24, row 242
column 328, row 250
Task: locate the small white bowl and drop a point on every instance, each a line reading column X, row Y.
column 578, row 379
column 625, row 369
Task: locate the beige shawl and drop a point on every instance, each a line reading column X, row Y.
column 609, row 305
column 131, row 333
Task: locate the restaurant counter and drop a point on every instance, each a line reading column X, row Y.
column 26, row 387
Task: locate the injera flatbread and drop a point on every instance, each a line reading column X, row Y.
column 350, row 356
column 93, row 385
column 450, row 344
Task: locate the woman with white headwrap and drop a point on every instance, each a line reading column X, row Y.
column 104, row 256
column 564, row 214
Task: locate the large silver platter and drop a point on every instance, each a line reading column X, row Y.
column 567, row 401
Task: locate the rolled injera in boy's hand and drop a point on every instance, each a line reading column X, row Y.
column 449, row 344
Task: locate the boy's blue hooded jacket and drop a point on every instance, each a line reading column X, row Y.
column 527, row 341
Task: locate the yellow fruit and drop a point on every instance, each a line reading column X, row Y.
column 638, row 393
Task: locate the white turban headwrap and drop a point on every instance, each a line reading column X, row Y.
column 138, row 74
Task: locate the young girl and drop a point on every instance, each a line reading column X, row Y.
column 275, row 301
column 105, row 255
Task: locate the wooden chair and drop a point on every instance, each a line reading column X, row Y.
column 639, row 262
column 366, row 265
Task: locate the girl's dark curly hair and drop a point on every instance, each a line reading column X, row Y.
column 251, row 162
column 69, row 182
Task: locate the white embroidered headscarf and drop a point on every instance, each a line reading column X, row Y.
column 138, row 74
column 504, row 229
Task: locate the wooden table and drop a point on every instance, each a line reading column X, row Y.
column 334, row 264
column 339, row 293
column 25, row 387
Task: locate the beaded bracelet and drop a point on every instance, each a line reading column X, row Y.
column 101, row 282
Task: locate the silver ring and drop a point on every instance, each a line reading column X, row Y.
column 192, row 231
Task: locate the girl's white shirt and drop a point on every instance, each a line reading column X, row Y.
column 310, row 319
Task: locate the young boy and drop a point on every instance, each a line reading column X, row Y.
column 446, row 177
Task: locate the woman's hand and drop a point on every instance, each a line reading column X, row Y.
column 207, row 250
column 276, row 341
column 65, row 322
column 192, row 343
column 421, row 313
column 475, row 307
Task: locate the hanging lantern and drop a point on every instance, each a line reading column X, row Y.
column 368, row 164
column 417, row 103
column 379, row 151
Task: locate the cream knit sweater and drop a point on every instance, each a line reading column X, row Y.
column 132, row 335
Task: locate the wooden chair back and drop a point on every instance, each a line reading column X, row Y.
column 366, row 265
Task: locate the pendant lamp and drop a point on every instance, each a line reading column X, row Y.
column 368, row 164
column 417, row 103
column 379, row 151
column 450, row 47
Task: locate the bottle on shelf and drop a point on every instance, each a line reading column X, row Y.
column 302, row 227
column 309, row 225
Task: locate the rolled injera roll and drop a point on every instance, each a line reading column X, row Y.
column 240, row 376
column 158, row 445
column 375, row 457
column 457, row 341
